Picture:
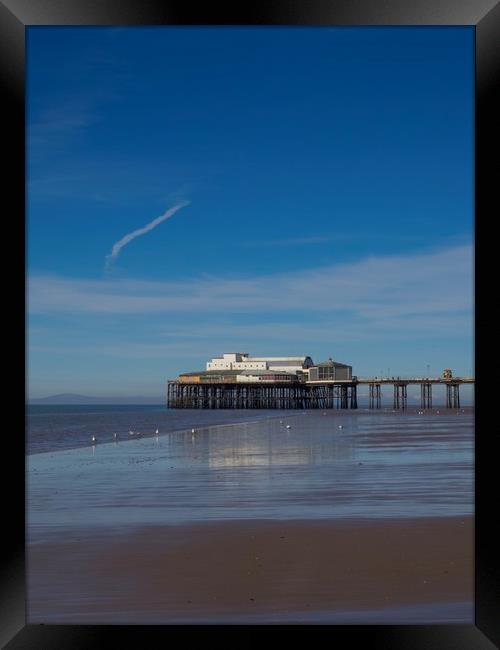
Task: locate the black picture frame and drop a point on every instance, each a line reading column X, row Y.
column 484, row 15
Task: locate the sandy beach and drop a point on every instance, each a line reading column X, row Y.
column 235, row 571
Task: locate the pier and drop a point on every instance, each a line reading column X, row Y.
column 400, row 386
column 327, row 394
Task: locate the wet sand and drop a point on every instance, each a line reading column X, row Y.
column 251, row 571
column 332, row 466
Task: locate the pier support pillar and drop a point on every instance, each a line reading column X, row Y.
column 426, row 395
column 453, row 396
column 354, row 397
column 374, row 392
column 400, row 396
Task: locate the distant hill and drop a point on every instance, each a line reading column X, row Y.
column 74, row 398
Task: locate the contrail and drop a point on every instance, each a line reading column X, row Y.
column 141, row 231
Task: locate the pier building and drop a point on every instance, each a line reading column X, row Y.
column 330, row 370
column 243, row 361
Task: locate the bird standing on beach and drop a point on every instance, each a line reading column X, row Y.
column 288, row 426
column 340, row 426
column 94, row 440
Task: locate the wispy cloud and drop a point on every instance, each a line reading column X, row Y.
column 104, row 180
column 194, row 343
column 127, row 350
column 324, row 327
column 390, row 290
column 54, row 127
column 294, row 241
column 141, row 231
column 325, row 239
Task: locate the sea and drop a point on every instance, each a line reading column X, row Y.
column 58, row 427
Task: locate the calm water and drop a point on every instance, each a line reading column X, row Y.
column 53, row 428
column 379, row 464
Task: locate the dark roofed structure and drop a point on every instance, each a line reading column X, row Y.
column 330, row 370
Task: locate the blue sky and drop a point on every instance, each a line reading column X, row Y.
column 329, row 175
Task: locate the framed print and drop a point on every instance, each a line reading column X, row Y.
column 252, row 247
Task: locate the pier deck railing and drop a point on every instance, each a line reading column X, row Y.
column 415, row 380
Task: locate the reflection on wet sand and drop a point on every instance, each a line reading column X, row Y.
column 377, row 465
column 241, row 449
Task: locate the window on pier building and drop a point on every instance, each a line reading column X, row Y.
column 326, row 372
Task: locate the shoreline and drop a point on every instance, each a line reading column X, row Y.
column 286, row 413
column 175, row 431
column 245, row 569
